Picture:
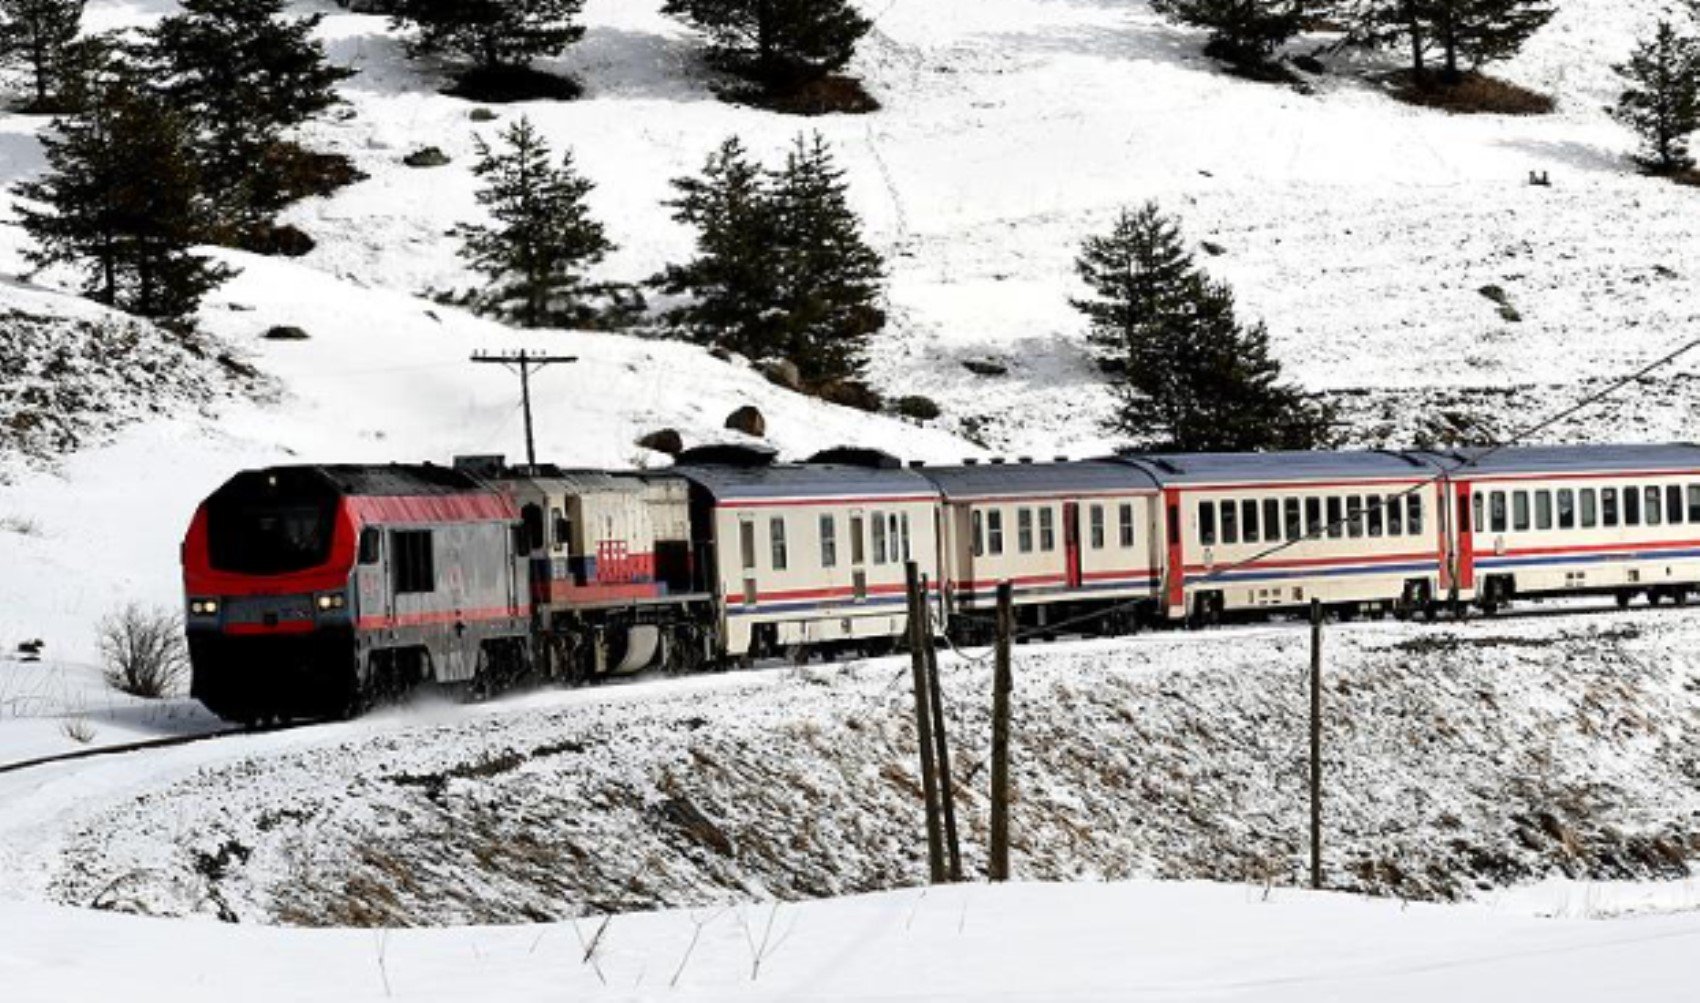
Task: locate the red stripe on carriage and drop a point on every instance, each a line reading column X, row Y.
column 1596, row 548
column 1317, row 562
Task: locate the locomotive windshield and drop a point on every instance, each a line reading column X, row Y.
column 271, row 522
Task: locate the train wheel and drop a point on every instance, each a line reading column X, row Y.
column 1624, row 598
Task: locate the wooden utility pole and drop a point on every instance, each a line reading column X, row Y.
column 941, row 737
column 525, row 363
column 1002, row 683
column 1316, row 744
column 924, row 723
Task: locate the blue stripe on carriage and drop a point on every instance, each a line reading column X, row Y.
column 1622, row 555
column 1118, row 584
column 1270, row 576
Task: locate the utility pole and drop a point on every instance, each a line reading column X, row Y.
column 1316, row 744
column 1002, row 683
column 941, row 738
column 524, row 363
column 924, row 724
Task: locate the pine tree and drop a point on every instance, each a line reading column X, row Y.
column 1662, row 102
column 122, row 199
column 1471, row 32
column 40, row 33
column 730, row 282
column 1188, row 375
column 1243, row 32
column 543, row 239
column 781, row 267
column 244, row 74
column 777, row 43
column 492, row 34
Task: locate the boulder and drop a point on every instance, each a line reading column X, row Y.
column 482, row 115
column 748, row 420
column 918, row 407
column 781, row 372
column 666, row 440
column 985, row 367
column 852, row 393
column 429, row 156
column 285, row 332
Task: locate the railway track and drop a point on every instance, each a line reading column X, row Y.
column 1533, row 612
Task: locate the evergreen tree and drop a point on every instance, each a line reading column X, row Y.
column 243, row 74
column 40, row 33
column 1662, row 102
column 781, row 267
column 1188, row 375
column 776, row 43
column 122, row 199
column 1243, row 32
column 1463, row 32
column 492, row 34
column 543, row 238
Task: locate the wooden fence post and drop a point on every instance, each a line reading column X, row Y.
column 941, row 736
column 1001, row 686
column 1316, row 744
column 924, row 723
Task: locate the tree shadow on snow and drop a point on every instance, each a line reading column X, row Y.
column 20, row 152
column 1579, row 156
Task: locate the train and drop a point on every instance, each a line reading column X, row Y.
column 316, row 591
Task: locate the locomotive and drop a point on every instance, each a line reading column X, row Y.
column 317, row 590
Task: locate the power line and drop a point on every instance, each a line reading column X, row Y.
column 525, row 364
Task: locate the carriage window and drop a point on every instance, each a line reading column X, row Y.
column 1414, row 514
column 994, row 531
column 903, row 525
column 1566, row 509
column 858, row 553
column 1024, row 530
column 1230, row 522
column 880, row 553
column 1520, row 510
column 1694, row 503
column 1248, row 517
column 1631, row 507
column 1543, row 509
column 1336, row 519
column 776, row 539
column 563, row 529
column 1097, row 524
column 1608, row 506
column 1313, row 516
column 1127, row 526
column 1373, row 515
column 1481, row 523
column 1290, row 512
column 1654, row 502
column 828, row 541
column 977, row 520
column 1355, row 516
column 1271, row 520
column 1395, row 516
column 1496, row 512
column 1673, row 504
column 1207, row 523
column 1047, row 529
column 747, row 544
column 1590, row 508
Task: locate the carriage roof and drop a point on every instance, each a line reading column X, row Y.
column 1283, row 468
column 1568, row 459
column 741, row 483
column 1003, row 479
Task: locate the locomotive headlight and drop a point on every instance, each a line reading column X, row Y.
column 332, row 600
column 203, row 607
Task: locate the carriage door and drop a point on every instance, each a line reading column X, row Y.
column 858, row 557
column 1466, row 535
column 1071, row 542
column 747, row 556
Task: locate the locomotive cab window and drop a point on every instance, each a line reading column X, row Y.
column 371, row 545
column 532, row 518
column 564, row 530
column 413, row 565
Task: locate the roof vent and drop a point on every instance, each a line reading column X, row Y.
column 998, row 461
column 1028, row 460
column 728, row 455
column 857, row 456
column 917, row 464
column 971, row 462
column 1060, row 459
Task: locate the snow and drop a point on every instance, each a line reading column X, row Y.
column 1019, row 942
column 1360, row 229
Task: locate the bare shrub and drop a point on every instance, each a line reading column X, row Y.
column 77, row 729
column 143, row 650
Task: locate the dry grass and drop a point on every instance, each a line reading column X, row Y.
column 1474, row 94
column 830, row 95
